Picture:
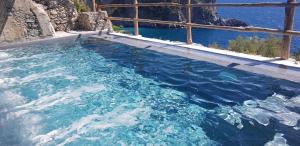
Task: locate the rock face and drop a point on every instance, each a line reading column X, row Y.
column 199, row 15
column 29, row 19
column 62, row 13
column 92, row 21
column 23, row 19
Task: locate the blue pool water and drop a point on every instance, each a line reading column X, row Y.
column 95, row 92
column 268, row 17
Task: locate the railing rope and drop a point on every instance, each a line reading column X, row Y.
column 288, row 26
column 189, row 21
column 136, row 18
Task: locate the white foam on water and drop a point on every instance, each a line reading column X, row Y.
column 276, row 107
column 69, row 140
column 4, row 55
column 64, row 97
column 11, row 98
column 8, row 82
column 11, row 59
column 44, row 63
column 57, row 72
column 10, row 69
column 48, row 74
column 119, row 116
column 278, row 140
column 20, row 127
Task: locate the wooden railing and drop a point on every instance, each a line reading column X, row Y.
column 287, row 33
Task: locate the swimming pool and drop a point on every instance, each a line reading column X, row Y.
column 95, row 92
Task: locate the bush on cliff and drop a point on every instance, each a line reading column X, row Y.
column 297, row 55
column 269, row 47
column 80, row 6
column 119, row 29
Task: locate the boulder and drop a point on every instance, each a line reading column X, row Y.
column 23, row 19
column 235, row 22
column 44, row 21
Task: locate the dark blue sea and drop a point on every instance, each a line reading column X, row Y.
column 271, row 17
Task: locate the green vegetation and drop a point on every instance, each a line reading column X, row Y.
column 215, row 45
column 269, row 47
column 80, row 6
column 119, row 29
column 297, row 55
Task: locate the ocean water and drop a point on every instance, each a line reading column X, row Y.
column 94, row 92
column 261, row 17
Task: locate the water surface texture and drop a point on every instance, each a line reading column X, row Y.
column 95, row 92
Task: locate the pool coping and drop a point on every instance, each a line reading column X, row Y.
column 273, row 67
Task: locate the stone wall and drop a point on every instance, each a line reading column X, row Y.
column 62, row 13
column 92, row 21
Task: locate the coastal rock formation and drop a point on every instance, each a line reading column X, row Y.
column 92, row 21
column 199, row 15
column 23, row 19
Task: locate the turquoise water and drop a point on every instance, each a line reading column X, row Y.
column 268, row 17
column 95, row 92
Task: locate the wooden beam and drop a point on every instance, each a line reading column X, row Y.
column 116, row 6
column 188, row 24
column 288, row 26
column 265, row 4
column 136, row 18
column 94, row 6
column 164, row 4
column 229, row 28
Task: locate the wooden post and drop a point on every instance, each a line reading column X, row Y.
column 288, row 25
column 136, row 18
column 94, row 6
column 189, row 21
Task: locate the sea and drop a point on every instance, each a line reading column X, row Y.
column 270, row 17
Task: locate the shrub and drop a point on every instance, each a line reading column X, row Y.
column 80, row 6
column 297, row 55
column 119, row 29
column 116, row 28
column 269, row 47
column 215, row 45
column 244, row 45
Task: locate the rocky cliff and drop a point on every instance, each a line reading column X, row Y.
column 199, row 15
column 30, row 19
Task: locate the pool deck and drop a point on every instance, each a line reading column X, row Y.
column 274, row 67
